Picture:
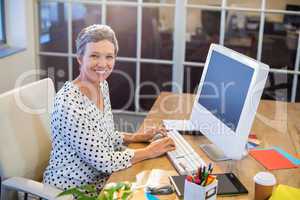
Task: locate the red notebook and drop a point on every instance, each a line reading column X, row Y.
column 271, row 159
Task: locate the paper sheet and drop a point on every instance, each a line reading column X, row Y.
column 159, row 178
column 288, row 156
column 294, row 160
column 271, row 159
column 153, row 178
column 285, row 192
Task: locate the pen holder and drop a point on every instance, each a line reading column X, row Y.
column 193, row 191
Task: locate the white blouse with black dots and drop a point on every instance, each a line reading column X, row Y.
column 86, row 149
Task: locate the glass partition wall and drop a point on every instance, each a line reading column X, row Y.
column 164, row 43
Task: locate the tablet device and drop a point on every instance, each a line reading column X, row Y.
column 228, row 184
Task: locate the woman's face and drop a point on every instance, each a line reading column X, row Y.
column 98, row 61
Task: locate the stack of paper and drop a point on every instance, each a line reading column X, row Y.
column 285, row 192
column 252, row 141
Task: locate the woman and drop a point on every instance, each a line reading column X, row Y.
column 85, row 147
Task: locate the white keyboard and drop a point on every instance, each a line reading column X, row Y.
column 184, row 158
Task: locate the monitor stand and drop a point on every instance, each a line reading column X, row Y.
column 215, row 154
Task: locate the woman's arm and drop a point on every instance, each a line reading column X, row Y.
column 140, row 155
column 143, row 136
column 153, row 150
column 129, row 137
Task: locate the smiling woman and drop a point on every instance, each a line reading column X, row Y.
column 96, row 59
column 100, row 58
column 86, row 148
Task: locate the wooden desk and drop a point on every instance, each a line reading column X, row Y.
column 276, row 123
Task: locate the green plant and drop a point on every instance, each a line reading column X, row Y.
column 112, row 191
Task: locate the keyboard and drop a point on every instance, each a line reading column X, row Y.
column 184, row 158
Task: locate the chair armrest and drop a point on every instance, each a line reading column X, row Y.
column 33, row 187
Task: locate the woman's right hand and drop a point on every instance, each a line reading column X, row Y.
column 160, row 146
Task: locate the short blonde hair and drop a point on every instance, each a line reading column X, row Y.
column 95, row 33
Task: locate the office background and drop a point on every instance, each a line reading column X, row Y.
column 161, row 41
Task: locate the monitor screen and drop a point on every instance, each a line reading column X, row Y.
column 290, row 18
column 225, row 88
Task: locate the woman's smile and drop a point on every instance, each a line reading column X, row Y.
column 102, row 71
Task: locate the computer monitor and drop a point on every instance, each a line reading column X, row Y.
column 292, row 19
column 227, row 99
column 210, row 20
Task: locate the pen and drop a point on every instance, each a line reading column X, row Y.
column 200, row 172
column 210, row 168
column 197, row 180
column 203, row 174
column 204, row 178
column 189, row 178
column 203, row 171
column 210, row 179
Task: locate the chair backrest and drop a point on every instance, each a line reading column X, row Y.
column 25, row 130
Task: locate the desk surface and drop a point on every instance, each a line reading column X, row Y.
column 276, row 123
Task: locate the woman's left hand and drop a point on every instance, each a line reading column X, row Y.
column 147, row 135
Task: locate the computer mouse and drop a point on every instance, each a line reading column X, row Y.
column 157, row 136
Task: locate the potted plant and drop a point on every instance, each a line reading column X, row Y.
column 112, row 191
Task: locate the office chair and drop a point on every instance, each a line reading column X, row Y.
column 25, row 140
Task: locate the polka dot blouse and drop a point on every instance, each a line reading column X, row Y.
column 86, row 149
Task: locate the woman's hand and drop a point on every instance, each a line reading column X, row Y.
column 154, row 149
column 160, row 146
column 147, row 135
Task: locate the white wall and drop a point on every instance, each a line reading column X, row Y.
column 20, row 30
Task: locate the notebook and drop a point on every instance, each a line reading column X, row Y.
column 271, row 159
column 291, row 158
column 285, row 192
